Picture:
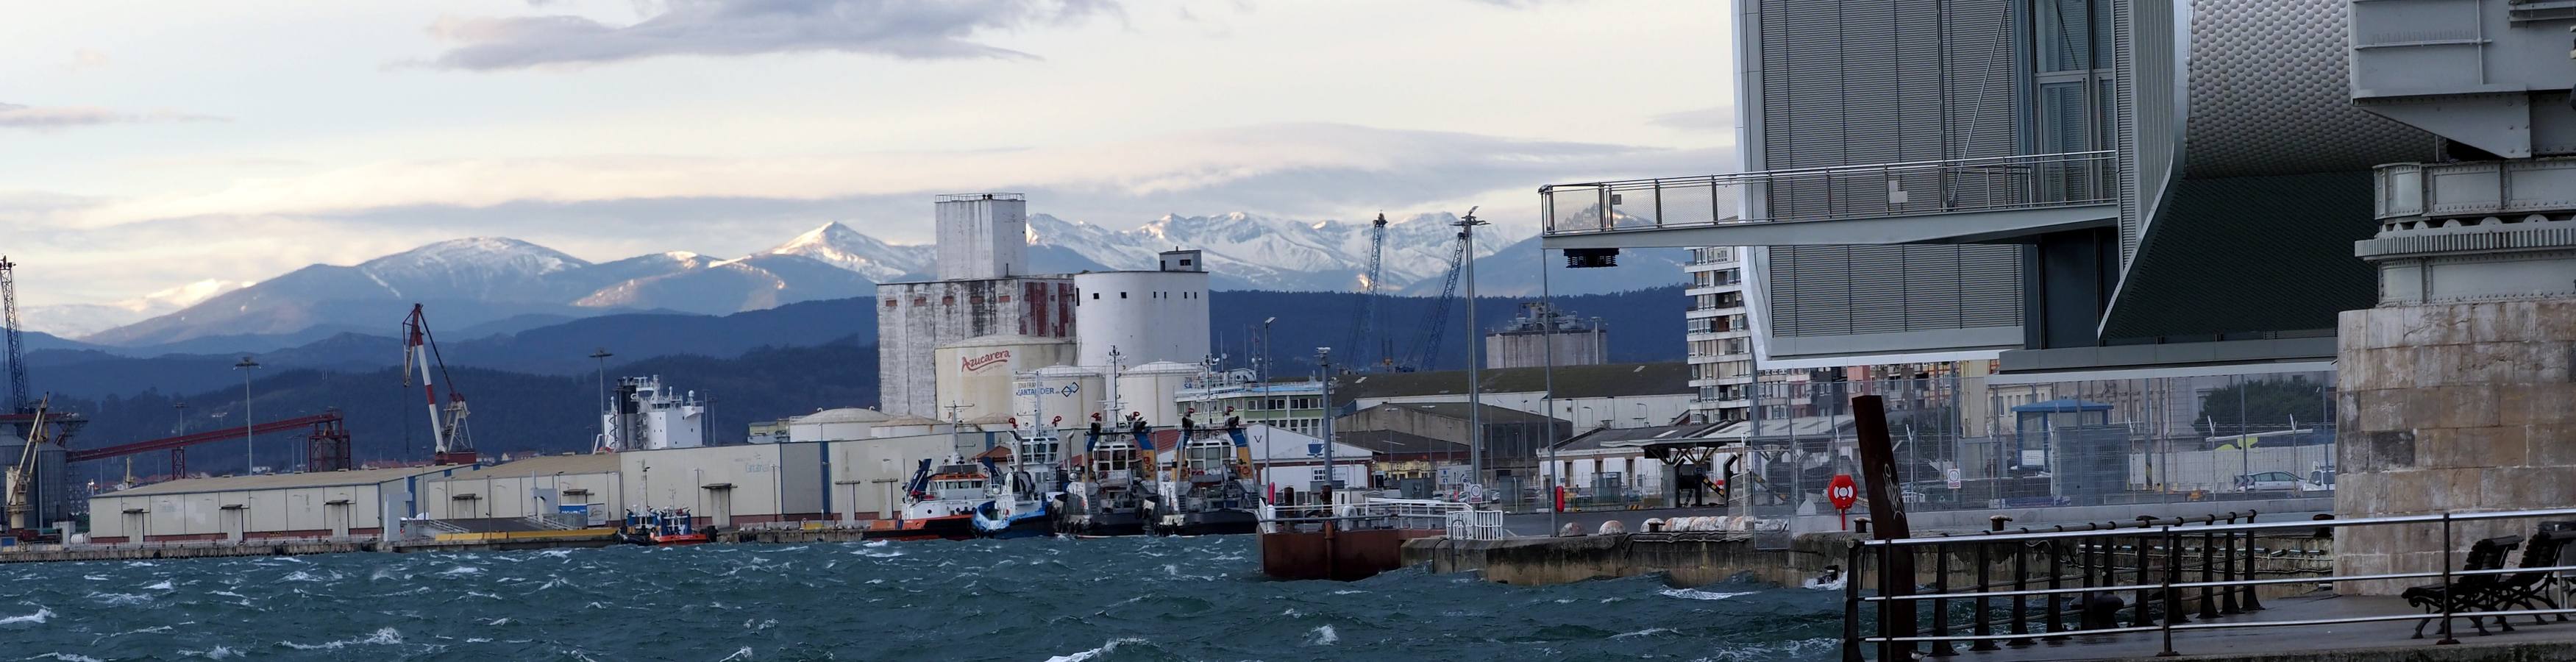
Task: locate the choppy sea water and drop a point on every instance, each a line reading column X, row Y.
column 1107, row 600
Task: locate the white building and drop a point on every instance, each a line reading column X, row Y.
column 584, row 486
column 1147, row 316
column 983, row 236
column 1720, row 336
column 1529, row 340
column 331, row 504
column 645, row 415
column 978, row 376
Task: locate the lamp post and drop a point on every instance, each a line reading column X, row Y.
column 1264, row 374
column 245, row 366
column 1475, row 352
column 1324, row 374
column 605, row 406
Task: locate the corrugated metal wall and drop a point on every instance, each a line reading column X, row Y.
column 1880, row 81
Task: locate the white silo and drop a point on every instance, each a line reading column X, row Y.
column 976, row 374
column 1148, row 316
column 835, row 425
column 1072, row 392
column 1152, row 387
column 983, row 235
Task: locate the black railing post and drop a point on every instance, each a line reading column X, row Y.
column 1985, row 582
column 1886, row 580
column 2085, row 550
column 2253, row 600
column 1851, row 604
column 2208, row 572
column 2173, row 575
column 2173, row 600
column 2227, row 596
column 2145, row 582
column 2450, row 589
column 1941, row 646
column 2021, row 603
column 2056, row 580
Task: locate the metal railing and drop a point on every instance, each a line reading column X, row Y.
column 1476, row 525
column 2159, row 554
column 1823, row 194
column 1377, row 513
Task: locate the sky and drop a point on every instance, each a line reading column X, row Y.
column 147, row 145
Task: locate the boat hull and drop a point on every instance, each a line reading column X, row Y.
column 1336, row 555
column 1221, row 522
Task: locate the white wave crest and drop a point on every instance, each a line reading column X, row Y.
column 216, row 653
column 65, row 657
column 381, row 637
column 1104, row 649
column 37, row 618
column 744, row 654
column 1836, row 585
column 1696, row 594
column 119, row 599
column 1325, row 636
column 1648, row 632
column 461, row 571
column 163, row 586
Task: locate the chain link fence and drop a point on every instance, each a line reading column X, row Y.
column 1966, row 443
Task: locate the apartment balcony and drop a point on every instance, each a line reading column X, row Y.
column 1977, row 200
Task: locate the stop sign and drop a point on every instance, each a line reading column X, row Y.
column 1843, row 492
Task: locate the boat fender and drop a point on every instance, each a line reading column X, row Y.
column 1612, row 528
column 1571, row 530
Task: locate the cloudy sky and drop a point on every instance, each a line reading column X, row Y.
column 148, row 144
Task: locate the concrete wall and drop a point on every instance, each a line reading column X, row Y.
column 914, row 319
column 866, row 476
column 514, row 496
column 1529, row 349
column 2459, row 408
column 274, row 513
column 769, row 482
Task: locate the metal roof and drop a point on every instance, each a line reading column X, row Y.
column 1579, row 381
column 1458, row 410
column 547, row 465
column 282, row 481
column 1695, row 433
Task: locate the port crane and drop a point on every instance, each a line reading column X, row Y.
column 453, row 444
column 1367, row 307
column 1426, row 350
column 21, row 478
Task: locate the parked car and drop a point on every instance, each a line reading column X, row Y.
column 2277, row 481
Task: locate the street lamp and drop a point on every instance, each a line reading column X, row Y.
column 245, row 366
column 604, row 405
column 1264, row 375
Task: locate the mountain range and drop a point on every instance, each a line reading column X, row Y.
column 487, row 285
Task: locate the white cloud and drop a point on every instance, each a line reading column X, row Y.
column 909, row 29
column 58, row 117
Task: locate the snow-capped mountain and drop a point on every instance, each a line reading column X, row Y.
column 1247, row 251
column 80, row 319
column 486, row 279
column 838, row 245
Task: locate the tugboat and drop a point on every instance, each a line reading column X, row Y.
column 1210, row 484
column 662, row 526
column 1111, row 492
column 1021, row 490
column 939, row 503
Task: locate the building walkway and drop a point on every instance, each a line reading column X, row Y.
column 2380, row 640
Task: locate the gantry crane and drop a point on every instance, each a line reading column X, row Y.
column 21, row 478
column 1366, row 310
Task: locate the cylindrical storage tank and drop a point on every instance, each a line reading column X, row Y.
column 1150, row 388
column 976, row 374
column 1072, row 392
column 1147, row 316
column 834, row 425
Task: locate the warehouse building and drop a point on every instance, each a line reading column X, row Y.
column 868, row 474
column 334, row 504
column 728, row 486
column 584, row 486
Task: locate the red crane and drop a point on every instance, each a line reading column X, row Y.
column 328, row 442
column 447, row 422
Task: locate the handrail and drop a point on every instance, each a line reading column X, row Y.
column 2225, row 528
column 1902, row 188
column 2155, row 568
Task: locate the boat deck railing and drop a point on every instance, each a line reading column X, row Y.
column 1460, row 519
